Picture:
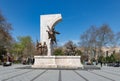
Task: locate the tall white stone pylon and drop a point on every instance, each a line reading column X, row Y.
column 45, row 21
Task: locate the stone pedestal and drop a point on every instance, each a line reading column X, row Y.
column 44, row 62
column 65, row 62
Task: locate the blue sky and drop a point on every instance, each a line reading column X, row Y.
column 77, row 16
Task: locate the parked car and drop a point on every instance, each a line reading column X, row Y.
column 117, row 64
column 110, row 64
column 7, row 63
column 7, row 60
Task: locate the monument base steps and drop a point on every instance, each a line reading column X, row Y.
column 57, row 62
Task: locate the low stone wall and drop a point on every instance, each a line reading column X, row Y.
column 57, row 62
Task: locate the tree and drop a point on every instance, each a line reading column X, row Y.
column 5, row 36
column 78, row 52
column 88, row 41
column 27, row 44
column 105, row 37
column 17, row 50
column 117, row 39
column 24, row 47
column 93, row 39
column 58, row 51
column 117, row 56
column 70, row 48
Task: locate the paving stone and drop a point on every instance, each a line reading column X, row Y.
column 50, row 75
column 10, row 73
column 70, row 75
column 92, row 77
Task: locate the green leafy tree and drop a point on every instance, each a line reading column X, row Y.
column 27, row 45
column 58, row 52
column 78, row 52
column 112, row 58
column 117, row 56
column 107, row 59
column 24, row 47
column 17, row 50
column 100, row 59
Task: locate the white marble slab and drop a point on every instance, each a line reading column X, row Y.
column 57, row 62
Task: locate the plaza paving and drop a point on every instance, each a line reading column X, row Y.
column 12, row 74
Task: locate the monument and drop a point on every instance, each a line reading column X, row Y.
column 45, row 59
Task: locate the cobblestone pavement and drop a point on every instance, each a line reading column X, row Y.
column 10, row 73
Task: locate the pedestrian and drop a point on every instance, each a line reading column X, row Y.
column 101, row 63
